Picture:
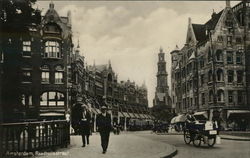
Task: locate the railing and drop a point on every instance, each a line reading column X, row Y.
column 34, row 136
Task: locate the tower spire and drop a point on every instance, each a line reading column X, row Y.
column 228, row 3
column 78, row 46
column 51, row 5
column 161, row 50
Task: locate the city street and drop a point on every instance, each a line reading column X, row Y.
column 228, row 148
column 149, row 145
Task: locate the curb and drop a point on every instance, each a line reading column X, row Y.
column 236, row 139
column 171, row 155
column 169, row 133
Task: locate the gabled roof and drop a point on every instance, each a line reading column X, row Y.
column 210, row 24
column 199, row 32
column 200, row 29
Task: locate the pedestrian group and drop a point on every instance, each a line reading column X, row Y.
column 82, row 121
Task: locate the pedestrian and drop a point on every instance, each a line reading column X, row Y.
column 85, row 125
column 76, row 116
column 104, row 127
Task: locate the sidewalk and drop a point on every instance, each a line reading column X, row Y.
column 120, row 146
column 223, row 135
column 232, row 137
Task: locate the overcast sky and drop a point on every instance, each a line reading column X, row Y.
column 131, row 33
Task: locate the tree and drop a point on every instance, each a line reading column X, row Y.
column 15, row 18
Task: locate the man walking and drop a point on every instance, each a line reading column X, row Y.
column 104, row 127
column 85, row 125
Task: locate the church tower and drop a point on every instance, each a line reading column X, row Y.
column 162, row 98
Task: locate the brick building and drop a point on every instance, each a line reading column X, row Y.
column 210, row 73
column 37, row 67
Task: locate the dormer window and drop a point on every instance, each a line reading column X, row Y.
column 52, row 28
column 52, row 49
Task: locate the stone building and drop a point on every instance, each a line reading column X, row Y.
column 162, row 98
column 126, row 101
column 210, row 73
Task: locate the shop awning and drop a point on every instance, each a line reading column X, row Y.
column 238, row 112
column 52, row 114
column 98, row 111
column 132, row 115
column 93, row 110
column 137, row 115
column 179, row 118
column 126, row 114
column 120, row 114
column 201, row 115
column 142, row 116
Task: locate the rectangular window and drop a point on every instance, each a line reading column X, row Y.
column 45, row 77
column 52, row 50
column 229, row 40
column 240, row 97
column 27, row 76
column 239, row 76
column 203, row 98
column 230, row 97
column 238, row 58
column 58, row 77
column 1, row 57
column 219, row 38
column 230, row 76
column 229, row 57
column 238, row 40
column 27, row 48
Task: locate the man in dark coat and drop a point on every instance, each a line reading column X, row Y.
column 85, row 125
column 104, row 127
column 76, row 117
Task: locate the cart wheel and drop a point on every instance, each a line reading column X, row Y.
column 197, row 141
column 187, row 137
column 211, row 141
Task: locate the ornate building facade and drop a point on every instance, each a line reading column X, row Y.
column 210, row 73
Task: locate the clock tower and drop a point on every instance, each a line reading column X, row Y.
column 162, row 98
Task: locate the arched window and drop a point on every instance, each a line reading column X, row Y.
column 110, row 77
column 210, row 76
column 219, row 55
column 220, row 95
column 210, row 96
column 220, row 75
column 52, row 98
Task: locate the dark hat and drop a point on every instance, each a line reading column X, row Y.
column 104, row 107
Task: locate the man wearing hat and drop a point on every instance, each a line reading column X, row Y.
column 85, row 125
column 104, row 127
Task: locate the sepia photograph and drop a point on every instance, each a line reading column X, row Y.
column 124, row 79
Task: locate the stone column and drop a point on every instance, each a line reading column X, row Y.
column 95, row 123
column 125, row 124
